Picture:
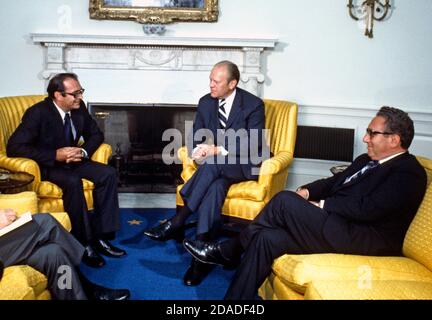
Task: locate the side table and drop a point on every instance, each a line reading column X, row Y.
column 11, row 181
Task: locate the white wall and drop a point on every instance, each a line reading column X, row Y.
column 322, row 58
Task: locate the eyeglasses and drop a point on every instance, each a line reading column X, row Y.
column 372, row 133
column 75, row 94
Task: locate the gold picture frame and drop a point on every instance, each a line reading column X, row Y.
column 158, row 11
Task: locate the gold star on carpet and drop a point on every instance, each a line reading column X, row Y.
column 134, row 222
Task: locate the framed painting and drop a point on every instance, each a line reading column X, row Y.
column 154, row 11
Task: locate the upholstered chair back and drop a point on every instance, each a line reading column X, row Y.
column 418, row 240
column 281, row 119
column 11, row 112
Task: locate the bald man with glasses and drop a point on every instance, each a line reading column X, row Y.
column 61, row 136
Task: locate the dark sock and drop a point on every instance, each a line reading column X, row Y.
column 231, row 249
column 180, row 217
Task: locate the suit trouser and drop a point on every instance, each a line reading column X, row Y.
column 46, row 246
column 204, row 193
column 287, row 224
column 106, row 215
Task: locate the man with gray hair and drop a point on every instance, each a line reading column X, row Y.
column 227, row 154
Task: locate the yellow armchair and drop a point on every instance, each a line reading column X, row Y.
column 22, row 282
column 344, row 276
column 246, row 199
column 50, row 195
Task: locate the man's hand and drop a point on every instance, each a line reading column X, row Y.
column 7, row 216
column 69, row 154
column 304, row 193
column 205, row 150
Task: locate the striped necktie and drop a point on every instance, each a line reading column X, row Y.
column 222, row 114
column 68, row 130
column 370, row 165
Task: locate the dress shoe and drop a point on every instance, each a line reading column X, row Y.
column 165, row 231
column 107, row 249
column 92, row 258
column 196, row 273
column 101, row 293
column 208, row 252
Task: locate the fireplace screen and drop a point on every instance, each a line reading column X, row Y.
column 135, row 133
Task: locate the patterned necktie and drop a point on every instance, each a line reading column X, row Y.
column 68, row 130
column 222, row 114
column 370, row 165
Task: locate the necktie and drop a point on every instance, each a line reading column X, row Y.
column 68, row 130
column 222, row 114
column 370, row 165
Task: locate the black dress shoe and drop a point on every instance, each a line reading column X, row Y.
column 196, row 273
column 107, row 249
column 165, row 231
column 101, row 293
column 208, row 252
column 92, row 258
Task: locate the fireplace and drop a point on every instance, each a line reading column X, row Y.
column 135, row 133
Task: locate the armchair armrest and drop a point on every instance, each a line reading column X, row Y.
column 274, row 165
column 189, row 166
column 102, row 153
column 23, row 165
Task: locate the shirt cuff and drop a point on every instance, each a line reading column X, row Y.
column 321, row 204
column 307, row 191
column 223, row 151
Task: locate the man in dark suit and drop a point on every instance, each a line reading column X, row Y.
column 363, row 210
column 50, row 133
column 46, row 246
column 228, row 118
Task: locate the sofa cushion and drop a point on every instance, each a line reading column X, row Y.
column 297, row 271
column 47, row 189
column 20, row 202
column 418, row 240
column 63, row 218
column 377, row 290
column 249, row 190
column 22, row 283
column 275, row 289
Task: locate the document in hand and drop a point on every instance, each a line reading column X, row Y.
column 23, row 219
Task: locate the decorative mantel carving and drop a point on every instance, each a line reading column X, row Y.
column 66, row 52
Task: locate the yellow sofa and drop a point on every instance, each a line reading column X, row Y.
column 343, row 276
column 246, row 199
column 22, row 282
column 50, row 195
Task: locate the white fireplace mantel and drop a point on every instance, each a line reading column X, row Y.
column 67, row 52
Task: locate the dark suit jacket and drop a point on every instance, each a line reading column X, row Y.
column 247, row 113
column 41, row 133
column 373, row 213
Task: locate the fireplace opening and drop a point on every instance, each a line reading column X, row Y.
column 135, row 133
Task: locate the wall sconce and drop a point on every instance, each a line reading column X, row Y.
column 369, row 11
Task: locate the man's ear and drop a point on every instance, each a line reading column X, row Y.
column 58, row 95
column 232, row 84
column 395, row 140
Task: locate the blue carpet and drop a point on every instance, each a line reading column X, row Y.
column 154, row 270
